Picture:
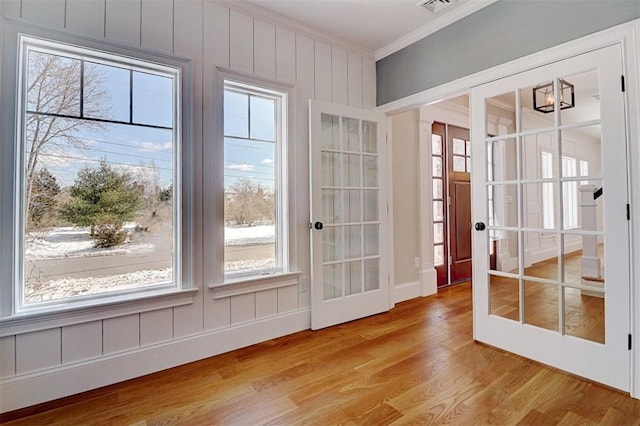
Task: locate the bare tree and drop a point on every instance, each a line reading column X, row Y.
column 53, row 118
column 247, row 202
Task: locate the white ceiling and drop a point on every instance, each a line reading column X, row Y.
column 378, row 26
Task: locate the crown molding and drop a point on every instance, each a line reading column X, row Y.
column 298, row 27
column 465, row 9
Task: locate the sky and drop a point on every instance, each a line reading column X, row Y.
column 141, row 150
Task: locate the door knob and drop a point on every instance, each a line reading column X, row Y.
column 318, row 225
column 480, row 226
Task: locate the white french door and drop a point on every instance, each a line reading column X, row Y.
column 550, row 194
column 349, row 273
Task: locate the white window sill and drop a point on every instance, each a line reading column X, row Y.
column 252, row 284
column 110, row 307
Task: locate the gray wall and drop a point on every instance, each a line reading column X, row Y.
column 504, row 31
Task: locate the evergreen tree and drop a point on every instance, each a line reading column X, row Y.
column 102, row 196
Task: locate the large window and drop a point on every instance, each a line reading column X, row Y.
column 254, row 180
column 99, row 174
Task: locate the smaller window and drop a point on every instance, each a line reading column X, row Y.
column 254, row 180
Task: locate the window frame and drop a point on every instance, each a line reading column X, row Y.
column 213, row 161
column 280, row 173
column 19, row 318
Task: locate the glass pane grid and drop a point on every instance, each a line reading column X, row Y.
column 355, row 177
column 552, row 290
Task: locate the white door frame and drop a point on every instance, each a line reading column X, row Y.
column 628, row 35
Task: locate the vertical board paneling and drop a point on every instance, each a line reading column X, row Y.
column 339, row 76
column 323, row 71
column 285, row 55
column 368, row 83
column 122, row 23
column 86, row 17
column 121, row 333
column 287, row 299
column 7, row 356
column 217, row 313
column 156, row 326
column 81, row 341
column 216, row 34
column 355, row 80
column 48, row 13
column 157, row 25
column 241, row 42
column 37, row 350
column 10, row 8
column 187, row 21
column 243, row 308
column 264, row 51
column 266, row 303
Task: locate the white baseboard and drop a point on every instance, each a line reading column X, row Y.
column 406, row 291
column 23, row 391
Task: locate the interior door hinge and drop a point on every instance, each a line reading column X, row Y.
column 622, row 82
column 629, row 342
column 628, row 211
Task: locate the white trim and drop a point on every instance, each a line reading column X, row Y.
column 35, row 388
column 439, row 23
column 254, row 284
column 406, row 291
column 631, row 58
column 390, row 207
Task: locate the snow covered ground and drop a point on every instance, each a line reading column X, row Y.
column 74, row 242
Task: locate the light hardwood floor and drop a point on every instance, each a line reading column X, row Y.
column 417, row 363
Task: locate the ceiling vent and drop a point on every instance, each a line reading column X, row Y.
column 435, row 5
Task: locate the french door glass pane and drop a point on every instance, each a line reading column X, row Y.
column 586, row 93
column 369, row 137
column 372, row 274
column 370, row 205
column 331, row 206
column 353, row 278
column 351, row 134
column 504, row 296
column 502, row 160
column 352, row 170
column 353, row 206
column 584, row 314
column 507, row 250
column 332, row 281
column 370, row 171
column 509, row 101
column 371, row 244
column 353, row 243
column 541, row 305
column 330, row 126
column 331, row 243
column 331, row 169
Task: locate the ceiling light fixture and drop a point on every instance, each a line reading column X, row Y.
column 435, row 5
column 544, row 98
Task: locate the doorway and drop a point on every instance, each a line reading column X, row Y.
column 451, row 169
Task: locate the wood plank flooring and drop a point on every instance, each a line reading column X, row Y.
column 417, row 363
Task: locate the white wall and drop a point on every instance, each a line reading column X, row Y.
column 61, row 358
column 405, row 198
